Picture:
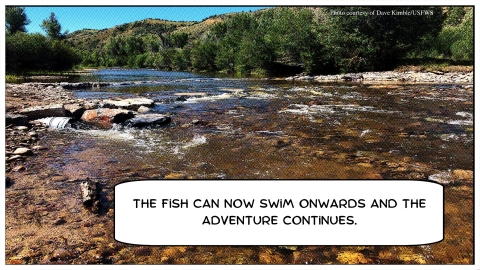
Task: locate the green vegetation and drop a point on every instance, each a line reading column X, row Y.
column 15, row 20
column 282, row 40
column 52, row 27
column 454, row 41
column 26, row 53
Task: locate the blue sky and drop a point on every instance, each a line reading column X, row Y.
column 77, row 18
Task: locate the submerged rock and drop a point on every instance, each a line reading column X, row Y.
column 37, row 112
column 452, row 177
column 143, row 120
column 104, row 117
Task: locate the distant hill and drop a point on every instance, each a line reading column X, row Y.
column 88, row 39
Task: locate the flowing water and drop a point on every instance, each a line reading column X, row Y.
column 224, row 128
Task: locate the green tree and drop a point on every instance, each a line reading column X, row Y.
column 376, row 42
column 462, row 49
column 203, row 56
column 52, row 27
column 15, row 20
column 34, row 52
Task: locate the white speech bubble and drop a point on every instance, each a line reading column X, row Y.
column 198, row 212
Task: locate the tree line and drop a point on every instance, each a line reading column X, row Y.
column 271, row 41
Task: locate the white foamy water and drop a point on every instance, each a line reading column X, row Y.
column 324, row 109
column 197, row 140
column 461, row 122
column 209, row 98
column 464, row 114
column 55, row 122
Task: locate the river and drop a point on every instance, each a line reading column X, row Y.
column 232, row 128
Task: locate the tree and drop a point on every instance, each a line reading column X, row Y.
column 34, row 52
column 376, row 42
column 15, row 20
column 52, row 27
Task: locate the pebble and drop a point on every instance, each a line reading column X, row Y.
column 22, row 128
column 14, row 157
column 39, row 147
column 59, row 221
column 60, row 254
column 18, row 168
column 175, row 175
column 23, row 151
column 33, row 134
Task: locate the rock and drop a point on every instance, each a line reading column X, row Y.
column 449, row 177
column 8, row 181
column 22, row 151
column 175, row 175
column 143, row 109
column 16, row 119
column 79, row 85
column 129, row 104
column 22, row 128
column 55, row 110
column 350, row 257
column 463, row 174
column 148, row 120
column 74, row 110
column 104, row 117
column 90, row 195
column 91, row 105
column 33, row 134
column 59, row 221
column 60, row 254
column 190, row 94
column 39, row 147
column 14, row 157
column 18, row 168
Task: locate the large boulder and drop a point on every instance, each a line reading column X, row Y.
column 37, row 112
column 104, row 117
column 128, row 104
column 16, row 119
column 142, row 120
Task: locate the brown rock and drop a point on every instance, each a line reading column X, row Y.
column 18, row 168
column 104, row 117
column 60, row 254
column 175, row 175
column 350, row 257
column 463, row 174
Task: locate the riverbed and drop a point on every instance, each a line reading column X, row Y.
column 230, row 128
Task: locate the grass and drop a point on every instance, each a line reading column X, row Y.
column 12, row 79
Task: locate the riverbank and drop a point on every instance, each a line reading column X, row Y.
column 409, row 76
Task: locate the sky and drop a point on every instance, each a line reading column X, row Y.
column 77, row 18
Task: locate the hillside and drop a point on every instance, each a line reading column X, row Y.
column 283, row 40
column 88, row 39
